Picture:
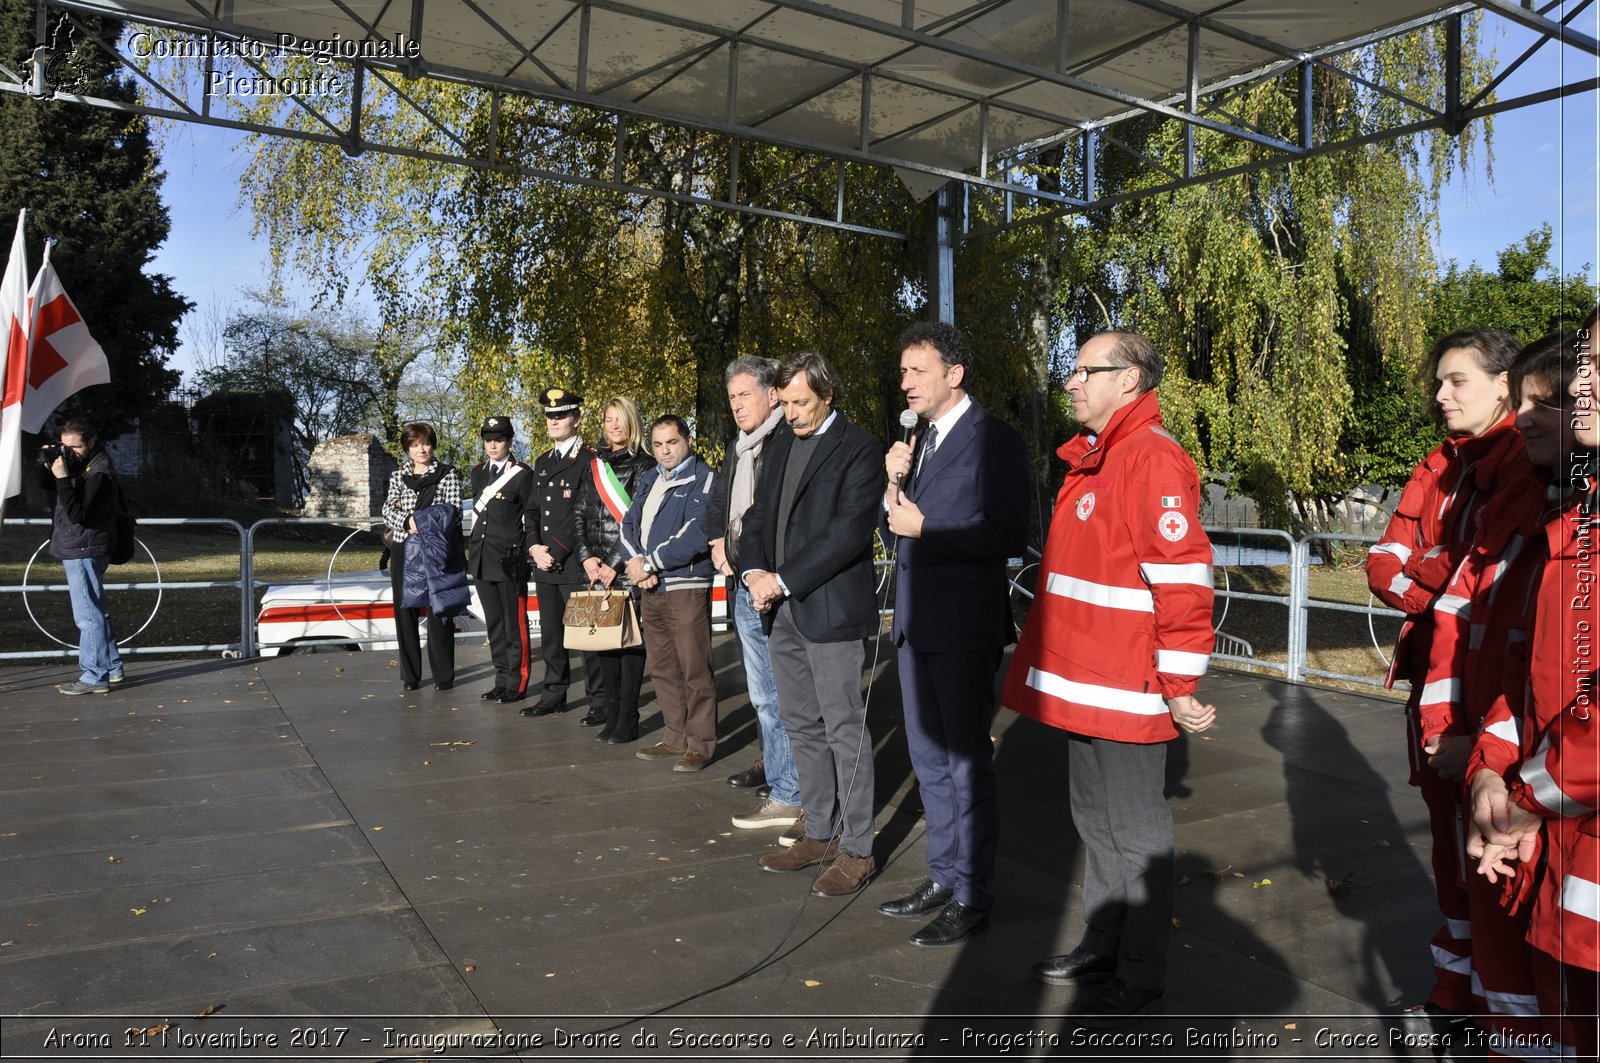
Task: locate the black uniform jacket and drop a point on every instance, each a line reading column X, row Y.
column 497, row 549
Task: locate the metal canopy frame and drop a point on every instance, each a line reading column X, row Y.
column 952, row 91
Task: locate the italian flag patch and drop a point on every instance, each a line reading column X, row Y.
column 612, row 493
column 1171, row 501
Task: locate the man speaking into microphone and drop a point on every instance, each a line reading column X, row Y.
column 955, row 511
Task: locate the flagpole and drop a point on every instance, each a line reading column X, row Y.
column 13, row 361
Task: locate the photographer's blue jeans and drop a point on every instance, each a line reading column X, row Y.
column 775, row 754
column 97, row 640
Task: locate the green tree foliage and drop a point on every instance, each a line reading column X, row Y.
column 89, row 178
column 1524, row 296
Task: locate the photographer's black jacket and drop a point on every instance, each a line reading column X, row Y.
column 85, row 512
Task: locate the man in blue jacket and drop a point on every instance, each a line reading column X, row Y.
column 664, row 537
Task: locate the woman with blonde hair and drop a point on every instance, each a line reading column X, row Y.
column 615, row 676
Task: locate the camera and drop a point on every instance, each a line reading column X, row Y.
column 50, row 452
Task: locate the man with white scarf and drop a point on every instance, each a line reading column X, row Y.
column 753, row 399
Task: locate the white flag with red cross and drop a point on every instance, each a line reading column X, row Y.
column 13, row 362
column 64, row 358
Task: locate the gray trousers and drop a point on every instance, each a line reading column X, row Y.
column 1120, row 809
column 819, row 701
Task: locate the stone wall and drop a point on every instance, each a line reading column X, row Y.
column 349, row 477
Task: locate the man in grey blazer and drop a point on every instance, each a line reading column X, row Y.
column 806, row 558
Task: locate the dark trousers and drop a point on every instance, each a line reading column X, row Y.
column 505, row 613
column 677, row 632
column 613, row 679
column 1120, row 808
column 553, row 640
column 441, row 633
column 949, row 705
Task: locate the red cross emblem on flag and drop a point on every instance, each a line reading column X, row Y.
column 65, row 358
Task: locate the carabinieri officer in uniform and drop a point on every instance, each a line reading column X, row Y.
column 505, row 510
column 558, row 478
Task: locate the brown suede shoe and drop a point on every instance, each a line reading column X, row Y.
column 844, row 876
column 659, row 751
column 692, row 762
column 807, row 852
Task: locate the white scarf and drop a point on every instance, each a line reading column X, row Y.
column 743, row 490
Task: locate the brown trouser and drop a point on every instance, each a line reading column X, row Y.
column 677, row 636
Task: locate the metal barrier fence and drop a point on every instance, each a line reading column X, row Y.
column 1228, row 543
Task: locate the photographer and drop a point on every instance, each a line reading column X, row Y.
column 82, row 533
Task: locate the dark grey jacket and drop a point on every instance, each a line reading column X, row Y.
column 83, row 522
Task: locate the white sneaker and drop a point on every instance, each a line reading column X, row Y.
column 794, row 833
column 769, row 813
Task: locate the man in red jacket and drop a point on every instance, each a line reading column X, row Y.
column 1117, row 640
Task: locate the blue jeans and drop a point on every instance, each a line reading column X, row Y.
column 775, row 754
column 97, row 639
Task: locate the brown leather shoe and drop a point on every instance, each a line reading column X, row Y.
column 807, row 852
column 692, row 762
column 795, row 832
column 753, row 776
column 659, row 751
column 844, row 876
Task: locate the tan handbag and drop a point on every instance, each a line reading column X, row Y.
column 600, row 620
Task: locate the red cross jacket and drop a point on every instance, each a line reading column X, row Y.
column 1430, row 533
column 1121, row 617
column 1487, row 605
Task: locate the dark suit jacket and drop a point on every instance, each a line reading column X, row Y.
column 951, row 591
column 558, row 484
column 828, row 543
column 501, row 528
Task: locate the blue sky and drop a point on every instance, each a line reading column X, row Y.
column 1545, row 169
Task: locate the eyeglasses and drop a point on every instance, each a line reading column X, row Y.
column 1081, row 374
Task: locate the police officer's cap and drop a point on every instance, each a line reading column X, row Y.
column 560, row 401
column 497, row 427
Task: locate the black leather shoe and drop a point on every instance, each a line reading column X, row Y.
column 951, row 927
column 753, row 776
column 443, row 686
column 1118, row 1004
column 546, row 706
column 1076, row 966
column 594, row 718
column 409, row 685
column 492, row 695
column 926, row 898
column 509, row 697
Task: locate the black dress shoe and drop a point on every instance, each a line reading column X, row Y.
column 952, row 926
column 408, row 685
column 753, row 776
column 926, row 898
column 1118, row 1004
column 443, row 686
column 492, row 695
column 509, row 697
column 594, row 718
column 546, row 706
column 1076, row 966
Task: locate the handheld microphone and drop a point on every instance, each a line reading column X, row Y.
column 908, row 424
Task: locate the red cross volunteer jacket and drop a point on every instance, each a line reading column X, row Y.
column 1121, row 616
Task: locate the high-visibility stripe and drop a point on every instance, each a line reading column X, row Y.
column 1505, row 730
column 1101, row 594
column 1460, row 929
column 1450, row 961
column 1399, row 585
column 1100, row 697
column 1433, row 553
column 1521, row 1004
column 1475, row 636
column 1400, row 550
column 1439, row 690
column 1454, row 605
column 1178, row 662
column 1197, row 573
column 1546, row 791
column 1581, row 897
